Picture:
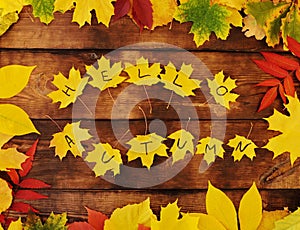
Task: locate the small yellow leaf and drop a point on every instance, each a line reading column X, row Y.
column 169, row 219
column 15, row 121
column 5, row 196
column 4, row 138
column 13, row 79
column 130, row 216
column 69, row 89
column 251, row 28
column 207, row 222
column 211, row 148
column 220, row 89
column 250, row 210
column 235, row 18
column 105, row 76
column 11, row 159
column 82, row 13
column 16, row 225
column 141, row 73
column 146, row 147
column 106, row 158
column 10, row 6
column 183, row 143
column 7, row 20
column 179, row 81
column 269, row 218
column 221, row 207
column 242, row 146
column 70, row 140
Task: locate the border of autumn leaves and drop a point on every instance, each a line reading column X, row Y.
column 275, row 20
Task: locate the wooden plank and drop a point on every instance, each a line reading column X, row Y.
column 74, row 173
column 34, row 100
column 62, row 34
column 73, row 202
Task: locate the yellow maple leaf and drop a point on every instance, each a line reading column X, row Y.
column 242, row 146
column 6, row 20
column 82, row 13
column 105, row 76
column 269, row 218
column 163, row 12
column 130, row 217
column 106, row 159
column 169, row 219
column 141, row 73
column 211, row 148
column 146, row 147
column 9, row 6
column 70, row 140
column 183, row 143
column 220, row 89
column 68, row 88
column 16, row 225
column 235, row 17
column 179, row 81
column 13, row 79
column 5, row 196
column 289, row 127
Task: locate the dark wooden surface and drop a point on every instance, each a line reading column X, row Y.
column 61, row 45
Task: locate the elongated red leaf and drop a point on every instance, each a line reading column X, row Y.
column 281, row 61
column 142, row 227
column 29, row 195
column 271, row 68
column 22, row 207
column 269, row 82
column 80, row 226
column 142, row 13
column 282, row 93
column 96, row 219
column 33, row 183
column 122, row 8
column 14, row 176
column 289, row 86
column 294, row 46
column 298, row 74
column 268, row 99
column 27, row 165
column 2, row 218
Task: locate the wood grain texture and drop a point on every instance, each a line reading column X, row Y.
column 61, row 33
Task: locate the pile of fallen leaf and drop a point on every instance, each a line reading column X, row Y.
column 270, row 19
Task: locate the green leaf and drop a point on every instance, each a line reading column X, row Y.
column 15, row 121
column 291, row 24
column 7, row 20
column 206, row 19
column 289, row 222
column 43, row 9
column 54, row 222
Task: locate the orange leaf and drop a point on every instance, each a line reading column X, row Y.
column 269, row 82
column 142, row 227
column 96, row 219
column 282, row 93
column 298, row 74
column 294, row 46
column 289, row 86
column 268, row 99
column 80, row 226
column 33, row 183
column 271, row 68
column 27, row 165
column 13, row 175
column 281, row 61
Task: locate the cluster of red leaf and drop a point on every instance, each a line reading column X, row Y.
column 22, row 187
column 95, row 222
column 283, row 69
column 141, row 10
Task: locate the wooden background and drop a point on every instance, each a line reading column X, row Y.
column 61, row 45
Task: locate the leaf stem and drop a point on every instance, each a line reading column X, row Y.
column 58, row 126
column 145, row 118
